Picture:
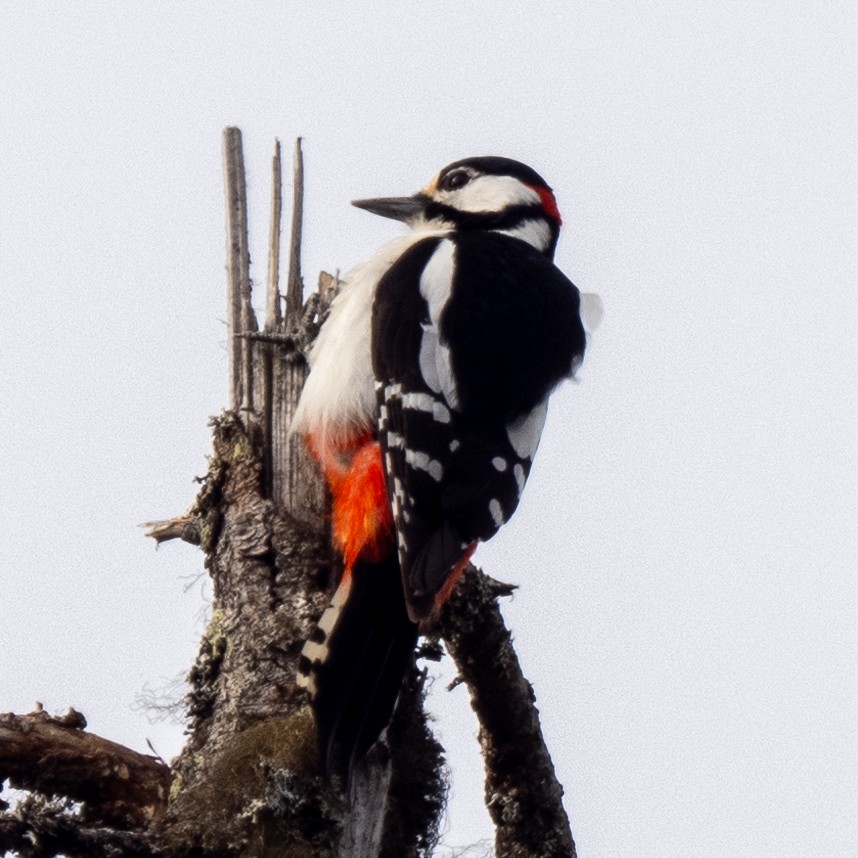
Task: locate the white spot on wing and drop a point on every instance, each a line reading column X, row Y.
column 499, row 463
column 422, row 462
column 518, row 473
column 424, row 402
column 524, row 433
column 496, row 512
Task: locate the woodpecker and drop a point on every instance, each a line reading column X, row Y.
column 424, row 406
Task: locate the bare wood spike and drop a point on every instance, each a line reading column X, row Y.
column 265, row 351
column 239, row 309
column 294, row 285
column 273, row 316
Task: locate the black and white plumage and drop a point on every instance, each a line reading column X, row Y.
column 464, row 359
column 454, row 338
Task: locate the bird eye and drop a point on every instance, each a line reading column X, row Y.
column 455, row 180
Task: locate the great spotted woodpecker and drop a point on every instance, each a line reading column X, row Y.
column 424, row 406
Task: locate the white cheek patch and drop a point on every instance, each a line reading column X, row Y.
column 490, row 194
column 524, row 433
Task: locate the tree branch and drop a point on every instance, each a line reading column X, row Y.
column 185, row 527
column 55, row 756
column 523, row 795
column 38, row 828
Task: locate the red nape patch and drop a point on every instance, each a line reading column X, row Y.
column 453, row 578
column 362, row 521
column 549, row 204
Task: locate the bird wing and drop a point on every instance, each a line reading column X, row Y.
column 470, row 334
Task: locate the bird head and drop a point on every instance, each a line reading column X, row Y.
column 487, row 193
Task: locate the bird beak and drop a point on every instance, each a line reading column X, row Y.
column 399, row 208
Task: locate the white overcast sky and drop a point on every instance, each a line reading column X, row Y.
column 688, row 608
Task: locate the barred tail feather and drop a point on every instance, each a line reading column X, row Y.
column 354, row 663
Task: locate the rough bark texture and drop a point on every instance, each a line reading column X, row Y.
column 419, row 777
column 57, row 757
column 251, row 748
column 247, row 779
column 523, row 794
column 39, row 828
column 246, row 785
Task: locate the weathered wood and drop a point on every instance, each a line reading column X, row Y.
column 273, row 314
column 294, row 284
column 185, row 527
column 264, row 350
column 247, row 783
column 296, row 483
column 251, row 736
column 523, row 795
column 57, row 757
column 240, row 315
column 364, row 823
column 39, row 828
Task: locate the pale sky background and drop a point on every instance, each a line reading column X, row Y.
column 688, row 603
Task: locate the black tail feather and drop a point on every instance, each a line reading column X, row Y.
column 431, row 568
column 358, row 671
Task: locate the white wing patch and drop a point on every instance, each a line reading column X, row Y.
column 428, row 351
column 524, row 433
column 436, row 283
